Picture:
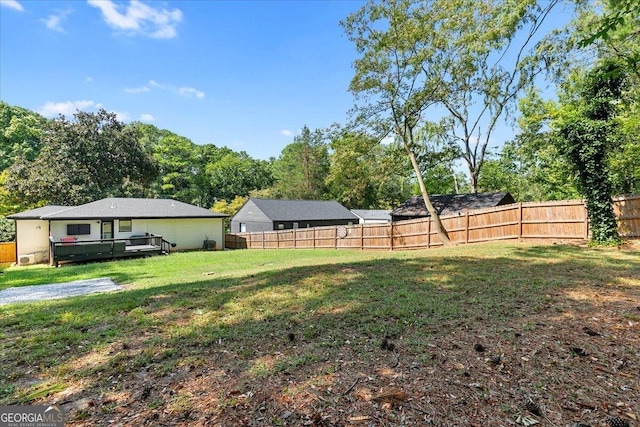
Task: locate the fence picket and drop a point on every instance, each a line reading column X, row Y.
column 565, row 220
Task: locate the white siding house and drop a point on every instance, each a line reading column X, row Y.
column 183, row 225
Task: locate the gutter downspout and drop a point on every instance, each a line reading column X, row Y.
column 224, row 233
column 51, row 246
column 15, row 229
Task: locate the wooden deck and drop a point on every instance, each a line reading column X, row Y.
column 87, row 250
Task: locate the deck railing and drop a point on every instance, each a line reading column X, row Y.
column 81, row 250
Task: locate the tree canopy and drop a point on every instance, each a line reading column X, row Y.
column 301, row 169
column 430, row 92
column 586, row 134
column 81, row 160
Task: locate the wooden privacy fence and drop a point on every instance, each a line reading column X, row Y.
column 627, row 210
column 7, row 252
column 553, row 221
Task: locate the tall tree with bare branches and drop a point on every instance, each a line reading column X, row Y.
column 459, row 64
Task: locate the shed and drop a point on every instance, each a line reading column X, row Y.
column 450, row 204
column 271, row 214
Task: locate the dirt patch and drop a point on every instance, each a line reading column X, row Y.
column 571, row 363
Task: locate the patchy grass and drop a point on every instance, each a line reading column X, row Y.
column 454, row 336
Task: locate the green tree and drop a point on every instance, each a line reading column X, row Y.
column 301, row 169
column 586, row 133
column 149, row 135
column 176, row 157
column 436, row 154
column 530, row 167
column 206, row 155
column 615, row 30
column 229, row 208
column 366, row 174
column 91, row 157
column 416, row 59
column 237, row 175
column 395, row 173
column 625, row 162
column 353, row 173
column 21, row 133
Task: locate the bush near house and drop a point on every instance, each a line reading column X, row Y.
column 7, row 230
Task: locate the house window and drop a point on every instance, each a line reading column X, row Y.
column 243, row 227
column 295, row 225
column 124, row 226
column 78, row 229
column 281, row 226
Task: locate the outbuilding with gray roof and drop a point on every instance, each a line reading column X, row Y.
column 271, row 214
column 449, row 204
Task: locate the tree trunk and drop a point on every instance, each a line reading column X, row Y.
column 474, row 182
column 442, row 232
column 455, row 181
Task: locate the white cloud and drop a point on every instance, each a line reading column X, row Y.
column 12, row 4
column 139, row 18
column 89, row 79
column 147, row 117
column 189, row 91
column 286, row 132
column 68, row 108
column 137, row 89
column 53, row 22
column 121, row 116
column 185, row 91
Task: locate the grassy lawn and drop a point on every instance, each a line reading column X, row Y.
column 456, row 336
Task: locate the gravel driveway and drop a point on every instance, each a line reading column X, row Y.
column 57, row 290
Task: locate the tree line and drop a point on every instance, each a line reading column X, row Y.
column 70, row 161
column 429, row 93
column 445, row 73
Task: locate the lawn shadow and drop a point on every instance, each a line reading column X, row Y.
column 264, row 339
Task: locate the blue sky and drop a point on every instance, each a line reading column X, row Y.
column 243, row 74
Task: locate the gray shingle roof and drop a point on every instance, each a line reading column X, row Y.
column 447, row 204
column 308, row 210
column 39, row 212
column 127, row 208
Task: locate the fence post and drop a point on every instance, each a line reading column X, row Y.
column 428, row 232
column 586, row 220
column 362, row 236
column 520, row 221
column 466, row 234
column 391, row 237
